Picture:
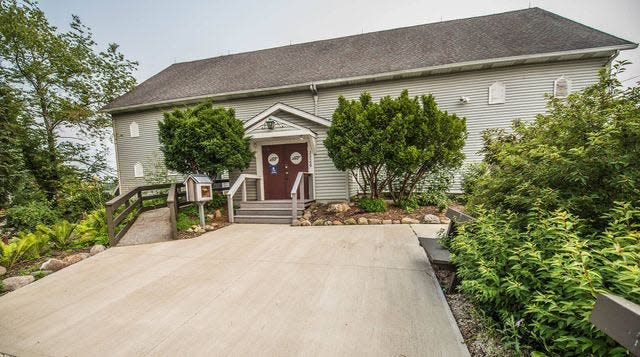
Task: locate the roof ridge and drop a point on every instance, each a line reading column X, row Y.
column 362, row 34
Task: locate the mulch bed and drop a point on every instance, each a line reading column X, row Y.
column 220, row 223
column 319, row 211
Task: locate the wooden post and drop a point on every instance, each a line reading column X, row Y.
column 201, row 214
column 110, row 228
column 294, row 206
column 230, row 207
column 244, row 191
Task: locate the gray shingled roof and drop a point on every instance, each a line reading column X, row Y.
column 515, row 33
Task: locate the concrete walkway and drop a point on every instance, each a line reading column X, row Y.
column 151, row 227
column 244, row 290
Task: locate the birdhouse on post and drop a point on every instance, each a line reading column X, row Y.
column 199, row 190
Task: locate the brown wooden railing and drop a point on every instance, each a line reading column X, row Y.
column 116, row 215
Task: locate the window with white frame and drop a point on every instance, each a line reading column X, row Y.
column 138, row 170
column 497, row 93
column 134, row 129
column 561, row 87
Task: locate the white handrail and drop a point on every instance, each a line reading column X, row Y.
column 241, row 182
column 298, row 184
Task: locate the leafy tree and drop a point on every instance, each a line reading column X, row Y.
column 204, row 139
column 582, row 156
column 394, row 144
column 11, row 168
column 62, row 81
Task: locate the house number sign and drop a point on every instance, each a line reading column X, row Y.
column 295, row 158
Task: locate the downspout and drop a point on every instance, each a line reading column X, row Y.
column 314, row 93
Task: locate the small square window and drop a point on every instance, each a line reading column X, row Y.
column 134, row 129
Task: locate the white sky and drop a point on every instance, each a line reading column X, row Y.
column 157, row 33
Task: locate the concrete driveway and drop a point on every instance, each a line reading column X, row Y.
column 245, row 290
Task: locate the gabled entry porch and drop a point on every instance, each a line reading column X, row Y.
column 284, row 142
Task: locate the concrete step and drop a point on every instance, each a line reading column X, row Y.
column 267, row 211
column 263, row 219
column 274, row 204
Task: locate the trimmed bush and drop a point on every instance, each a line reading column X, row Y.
column 369, row 204
column 409, row 203
column 30, row 215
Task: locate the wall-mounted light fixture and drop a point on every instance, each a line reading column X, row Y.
column 271, row 124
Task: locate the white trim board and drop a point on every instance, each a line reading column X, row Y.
column 285, row 108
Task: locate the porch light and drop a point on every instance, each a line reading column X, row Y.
column 271, row 124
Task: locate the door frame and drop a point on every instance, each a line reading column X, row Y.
column 311, row 150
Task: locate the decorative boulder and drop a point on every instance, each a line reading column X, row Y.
column 305, row 223
column 53, row 264
column 3, row 270
column 395, row 221
column 98, row 248
column 430, row 219
column 350, row 221
column 208, row 228
column 338, row 207
column 386, row 221
column 328, row 223
column 72, row 259
column 318, row 222
column 337, row 223
column 363, row 220
column 409, row 220
column 16, row 282
column 306, row 215
column 217, row 214
column 374, row 221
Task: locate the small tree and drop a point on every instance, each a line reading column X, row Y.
column 394, row 144
column 204, row 139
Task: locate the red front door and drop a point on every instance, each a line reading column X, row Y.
column 280, row 166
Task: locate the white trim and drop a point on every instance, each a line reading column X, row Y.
column 280, row 134
column 285, row 108
column 377, row 76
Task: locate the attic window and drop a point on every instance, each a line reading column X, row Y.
column 138, row 170
column 561, row 87
column 497, row 93
column 134, row 129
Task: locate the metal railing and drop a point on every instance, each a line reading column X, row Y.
column 242, row 182
column 298, row 190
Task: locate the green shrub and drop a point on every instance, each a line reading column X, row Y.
column 438, row 199
column 471, row 174
column 546, row 277
column 25, row 246
column 30, row 215
column 184, row 221
column 218, row 200
column 93, row 229
column 582, row 156
column 369, row 204
column 409, row 203
column 77, row 198
column 62, row 234
column 433, row 190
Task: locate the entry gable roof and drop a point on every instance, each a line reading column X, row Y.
column 262, row 117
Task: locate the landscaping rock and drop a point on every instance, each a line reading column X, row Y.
column 363, row 220
column 74, row 258
column 210, row 216
column 199, row 230
column 337, row 223
column 305, row 223
column 328, row 223
column 445, row 220
column 395, row 221
column 430, row 219
column 318, row 222
column 208, row 228
column 387, row 221
column 217, row 214
column 53, row 264
column 338, row 207
column 374, row 221
column 190, row 230
column 307, row 215
column 98, row 248
column 409, row 220
column 16, row 282
column 350, row 221
column 3, row 270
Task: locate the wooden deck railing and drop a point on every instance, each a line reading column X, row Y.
column 116, row 215
column 242, row 182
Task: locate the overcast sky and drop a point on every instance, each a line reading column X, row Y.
column 160, row 32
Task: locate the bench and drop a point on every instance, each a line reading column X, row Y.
column 439, row 256
column 619, row 318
